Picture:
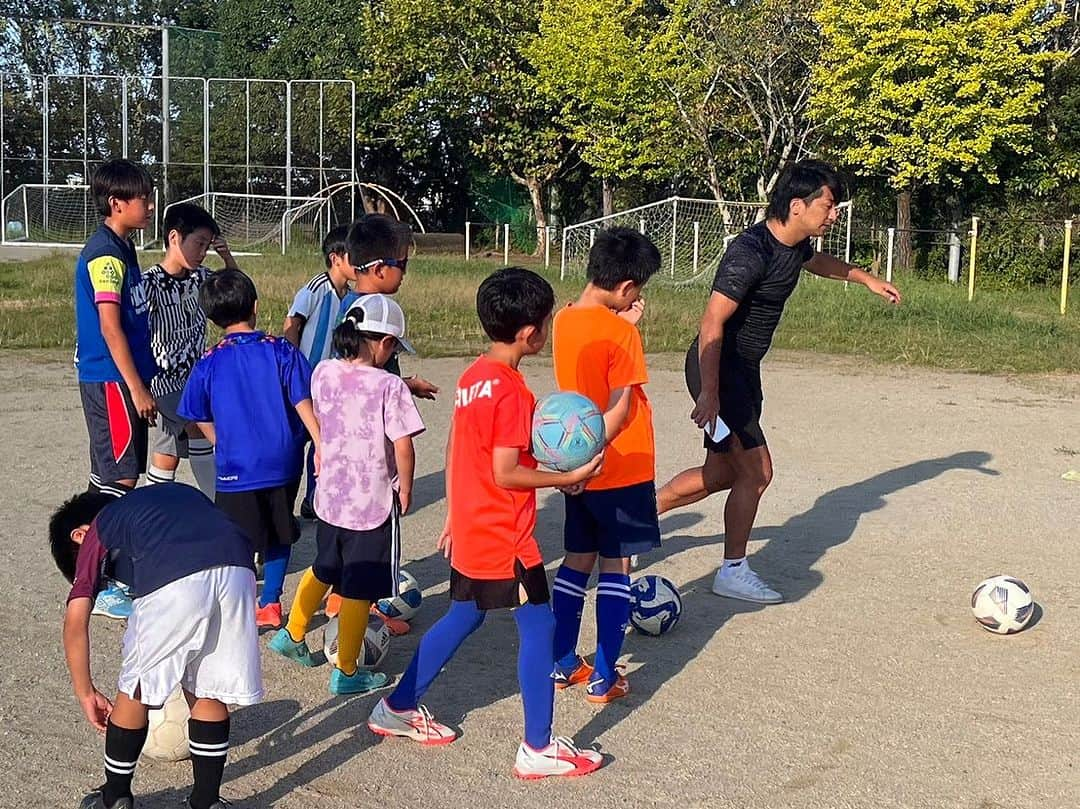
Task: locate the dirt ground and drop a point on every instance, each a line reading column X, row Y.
column 896, row 492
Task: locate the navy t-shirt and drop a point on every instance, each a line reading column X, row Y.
column 248, row 385
column 154, row 536
column 759, row 273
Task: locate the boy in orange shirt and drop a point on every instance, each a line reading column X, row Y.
column 495, row 562
column 598, row 353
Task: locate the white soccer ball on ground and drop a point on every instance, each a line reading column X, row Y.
column 406, row 603
column 372, row 650
column 1002, row 604
column 167, row 735
column 655, row 605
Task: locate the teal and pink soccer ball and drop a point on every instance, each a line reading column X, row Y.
column 567, row 431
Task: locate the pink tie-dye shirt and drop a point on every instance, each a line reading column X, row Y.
column 361, row 410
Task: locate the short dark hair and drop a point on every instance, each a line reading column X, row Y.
column 349, row 337
column 187, row 217
column 228, row 297
column 510, row 299
column 79, row 510
column 374, row 236
column 120, row 178
column 336, row 242
column 621, row 254
column 803, row 180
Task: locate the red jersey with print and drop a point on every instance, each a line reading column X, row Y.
column 491, row 527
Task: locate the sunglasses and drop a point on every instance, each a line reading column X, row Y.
column 400, row 263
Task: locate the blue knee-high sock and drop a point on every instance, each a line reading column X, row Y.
column 612, row 614
column 275, row 562
column 436, row 648
column 536, row 630
column 567, row 601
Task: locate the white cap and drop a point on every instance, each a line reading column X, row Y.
column 380, row 314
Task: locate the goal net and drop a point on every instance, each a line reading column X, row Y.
column 692, row 235
column 255, row 222
column 38, row 215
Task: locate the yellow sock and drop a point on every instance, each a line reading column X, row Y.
column 309, row 596
column 352, row 624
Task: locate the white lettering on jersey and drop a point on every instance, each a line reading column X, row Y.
column 463, row 397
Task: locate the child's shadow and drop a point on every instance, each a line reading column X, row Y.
column 277, row 725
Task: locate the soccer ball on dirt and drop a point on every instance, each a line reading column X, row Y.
column 1002, row 604
column 167, row 735
column 406, row 603
column 372, row 650
column 655, row 605
column 567, row 431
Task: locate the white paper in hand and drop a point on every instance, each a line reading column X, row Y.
column 718, row 432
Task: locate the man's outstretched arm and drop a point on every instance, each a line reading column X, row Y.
column 830, row 267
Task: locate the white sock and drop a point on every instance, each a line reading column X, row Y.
column 729, row 564
column 156, row 474
column 201, row 458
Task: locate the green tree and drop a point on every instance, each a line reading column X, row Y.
column 608, row 94
column 930, row 92
column 460, row 66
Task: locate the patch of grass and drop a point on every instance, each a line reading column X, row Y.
column 1015, row 331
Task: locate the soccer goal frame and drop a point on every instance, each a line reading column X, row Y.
column 692, row 235
column 57, row 215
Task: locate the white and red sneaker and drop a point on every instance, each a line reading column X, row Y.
column 561, row 757
column 417, row 724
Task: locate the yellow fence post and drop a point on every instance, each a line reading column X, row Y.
column 1065, row 265
column 971, row 260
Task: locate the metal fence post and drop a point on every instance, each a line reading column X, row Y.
column 674, row 231
column 1065, row 265
column 697, row 244
column 971, row 261
column 468, row 235
column 547, row 245
column 506, row 243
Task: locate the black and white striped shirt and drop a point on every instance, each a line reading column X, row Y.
column 177, row 325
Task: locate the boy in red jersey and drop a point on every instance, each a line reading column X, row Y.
column 495, row 562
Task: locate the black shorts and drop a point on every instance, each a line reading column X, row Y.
column 118, row 435
column 359, row 564
column 264, row 515
column 740, row 401
column 495, row 594
column 616, row 523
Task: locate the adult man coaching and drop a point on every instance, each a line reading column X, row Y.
column 756, row 276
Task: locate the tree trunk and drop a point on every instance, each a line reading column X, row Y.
column 607, row 198
column 536, row 196
column 903, row 230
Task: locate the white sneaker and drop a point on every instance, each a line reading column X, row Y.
column 417, row 724
column 744, row 584
column 561, row 757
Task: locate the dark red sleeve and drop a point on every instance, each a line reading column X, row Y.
column 88, row 566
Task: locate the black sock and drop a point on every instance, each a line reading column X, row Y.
column 209, row 745
column 122, row 748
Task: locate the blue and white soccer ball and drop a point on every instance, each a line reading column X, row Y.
column 1002, row 604
column 567, row 431
column 406, row 603
column 655, row 605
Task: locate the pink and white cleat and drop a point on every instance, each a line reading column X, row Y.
column 417, row 724
column 561, row 757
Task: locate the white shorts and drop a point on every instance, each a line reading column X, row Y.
column 197, row 632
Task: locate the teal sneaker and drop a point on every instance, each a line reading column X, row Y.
column 361, row 682
column 284, row 645
column 113, row 602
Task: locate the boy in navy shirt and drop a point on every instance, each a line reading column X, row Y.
column 251, row 396
column 174, row 548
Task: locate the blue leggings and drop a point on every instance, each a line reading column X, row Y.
column 536, row 634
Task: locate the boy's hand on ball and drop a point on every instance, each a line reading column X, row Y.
column 589, row 470
column 96, row 707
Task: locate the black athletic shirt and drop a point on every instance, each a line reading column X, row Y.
column 760, row 274
column 156, row 535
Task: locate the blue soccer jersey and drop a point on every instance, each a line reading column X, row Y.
column 107, row 272
column 248, row 385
